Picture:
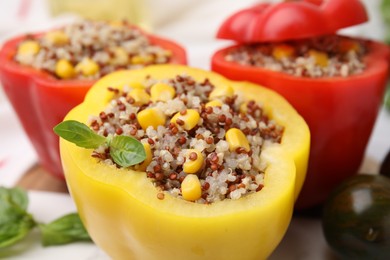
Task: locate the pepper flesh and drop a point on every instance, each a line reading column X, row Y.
column 124, row 203
column 41, row 101
column 340, row 112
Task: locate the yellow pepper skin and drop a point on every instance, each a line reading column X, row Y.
column 124, row 217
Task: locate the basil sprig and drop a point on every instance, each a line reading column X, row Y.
column 16, row 222
column 124, row 150
column 64, row 230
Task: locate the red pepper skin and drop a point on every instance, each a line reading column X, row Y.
column 291, row 20
column 340, row 112
column 41, row 101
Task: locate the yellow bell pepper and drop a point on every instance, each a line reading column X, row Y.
column 124, row 217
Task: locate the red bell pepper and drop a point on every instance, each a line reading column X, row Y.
column 41, row 101
column 340, row 111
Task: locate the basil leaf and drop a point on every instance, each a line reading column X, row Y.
column 64, row 230
column 126, row 151
column 15, row 222
column 79, row 134
column 16, row 195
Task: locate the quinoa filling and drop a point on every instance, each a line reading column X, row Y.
column 89, row 50
column 203, row 143
column 326, row 56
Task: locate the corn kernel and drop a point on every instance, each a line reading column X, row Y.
column 191, row 188
column 137, row 59
column 321, row 58
column 87, row 67
column 140, row 96
column 56, row 37
column 29, row 47
column 136, row 84
column 244, row 107
column 283, row 51
column 120, row 56
column 188, row 121
column 116, row 23
column 150, row 117
column 167, row 53
column 162, row 92
column 236, row 139
column 64, row 69
column 194, row 161
column 148, row 159
column 222, row 91
column 214, row 103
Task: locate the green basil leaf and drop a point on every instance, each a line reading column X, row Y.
column 64, row 230
column 15, row 222
column 16, row 195
column 79, row 134
column 126, row 151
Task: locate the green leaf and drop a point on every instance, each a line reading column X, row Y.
column 17, row 195
column 79, row 134
column 64, row 230
column 15, row 222
column 127, row 151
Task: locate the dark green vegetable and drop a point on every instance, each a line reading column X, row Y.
column 356, row 218
column 385, row 166
column 16, row 222
column 124, row 150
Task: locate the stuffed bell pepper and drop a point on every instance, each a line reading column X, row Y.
column 46, row 74
column 335, row 82
column 171, row 162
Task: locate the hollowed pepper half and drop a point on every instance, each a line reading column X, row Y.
column 123, row 215
column 340, row 111
column 41, row 100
